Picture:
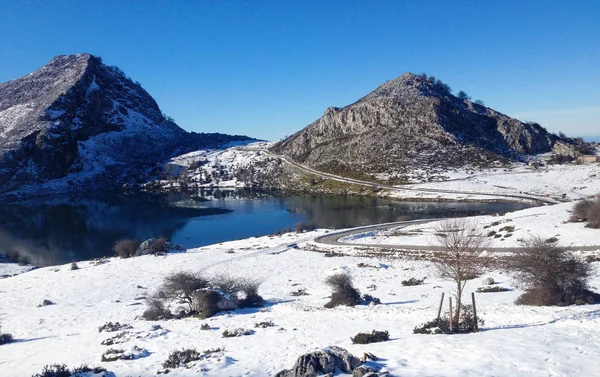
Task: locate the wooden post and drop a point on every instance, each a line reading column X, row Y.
column 450, row 313
column 440, row 308
column 474, row 311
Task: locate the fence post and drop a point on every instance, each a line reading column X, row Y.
column 474, row 311
column 450, row 313
column 440, row 308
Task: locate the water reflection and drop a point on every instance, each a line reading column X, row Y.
column 64, row 229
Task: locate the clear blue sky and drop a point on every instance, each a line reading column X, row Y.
column 269, row 68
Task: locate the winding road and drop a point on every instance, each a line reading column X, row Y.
column 334, row 239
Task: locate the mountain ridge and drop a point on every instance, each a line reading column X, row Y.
column 413, row 123
column 81, row 124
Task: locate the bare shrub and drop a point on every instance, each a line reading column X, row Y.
column 462, row 242
column 183, row 285
column 61, row 370
column 226, row 284
column 156, row 311
column 344, row 292
column 249, row 289
column 5, row 338
column 126, row 248
column 589, row 211
column 110, row 327
column 74, row 266
column 237, row 332
column 264, row 324
column 159, row 246
column 551, row 274
column 181, row 358
column 492, row 289
column 372, row 337
column 412, row 282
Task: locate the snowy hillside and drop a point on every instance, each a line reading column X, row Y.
column 515, row 340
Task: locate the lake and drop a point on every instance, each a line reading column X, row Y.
column 63, row 229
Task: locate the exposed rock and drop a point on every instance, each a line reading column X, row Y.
column 322, row 362
column 488, row 281
column 408, row 124
column 77, row 124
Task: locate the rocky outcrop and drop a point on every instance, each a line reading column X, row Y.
column 410, row 124
column 322, row 362
column 77, row 124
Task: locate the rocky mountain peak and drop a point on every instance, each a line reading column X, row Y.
column 412, row 123
column 76, row 119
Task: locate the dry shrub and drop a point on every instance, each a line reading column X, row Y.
column 344, row 292
column 181, row 358
column 589, row 211
column 126, row 248
column 183, row 285
column 156, row 311
column 552, row 275
column 159, row 246
column 412, row 282
column 373, row 337
column 249, row 289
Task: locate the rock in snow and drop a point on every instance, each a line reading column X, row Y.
column 77, row 124
column 322, row 362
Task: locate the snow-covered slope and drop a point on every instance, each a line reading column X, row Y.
column 78, row 124
column 515, row 340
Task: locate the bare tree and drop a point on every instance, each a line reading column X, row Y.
column 460, row 260
column 551, row 274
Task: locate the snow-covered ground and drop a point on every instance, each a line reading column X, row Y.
column 503, row 231
column 574, row 181
column 222, row 168
column 515, row 341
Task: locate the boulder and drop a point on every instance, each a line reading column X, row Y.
column 322, row 362
column 488, row 281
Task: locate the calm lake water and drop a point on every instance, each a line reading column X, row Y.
column 63, row 229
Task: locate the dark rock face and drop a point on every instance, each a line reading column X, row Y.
column 409, row 123
column 76, row 124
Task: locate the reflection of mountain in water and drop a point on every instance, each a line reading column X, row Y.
column 345, row 212
column 63, row 229
column 66, row 228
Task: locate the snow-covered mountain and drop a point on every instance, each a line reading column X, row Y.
column 77, row 124
column 413, row 123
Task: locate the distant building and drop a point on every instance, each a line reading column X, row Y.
column 588, row 159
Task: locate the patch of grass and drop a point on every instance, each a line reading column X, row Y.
column 181, row 358
column 508, row 229
column 264, row 324
column 300, row 292
column 110, row 327
column 112, row 354
column 492, row 289
column 237, row 332
column 412, row 282
column 372, row 337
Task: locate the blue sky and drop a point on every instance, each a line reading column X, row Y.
column 269, row 68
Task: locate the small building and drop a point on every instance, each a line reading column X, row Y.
column 588, row 159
